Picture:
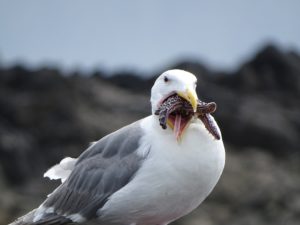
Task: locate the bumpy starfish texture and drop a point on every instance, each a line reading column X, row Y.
column 177, row 105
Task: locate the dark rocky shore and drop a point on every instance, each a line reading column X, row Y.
column 46, row 115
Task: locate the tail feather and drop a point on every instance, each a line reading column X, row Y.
column 48, row 219
column 24, row 220
column 53, row 219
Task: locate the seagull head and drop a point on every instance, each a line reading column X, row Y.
column 175, row 82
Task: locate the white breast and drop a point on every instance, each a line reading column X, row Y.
column 174, row 179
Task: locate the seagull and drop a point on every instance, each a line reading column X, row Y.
column 143, row 173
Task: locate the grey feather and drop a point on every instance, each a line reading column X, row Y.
column 101, row 170
column 49, row 219
column 104, row 168
column 24, row 220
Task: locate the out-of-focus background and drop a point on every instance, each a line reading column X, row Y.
column 73, row 71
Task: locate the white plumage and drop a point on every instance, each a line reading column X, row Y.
column 141, row 174
column 173, row 180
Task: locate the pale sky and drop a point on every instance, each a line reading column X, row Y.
column 143, row 35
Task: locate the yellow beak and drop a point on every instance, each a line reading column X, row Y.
column 190, row 96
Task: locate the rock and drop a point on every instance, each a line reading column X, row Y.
column 271, row 69
column 46, row 115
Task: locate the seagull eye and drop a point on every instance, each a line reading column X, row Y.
column 166, row 79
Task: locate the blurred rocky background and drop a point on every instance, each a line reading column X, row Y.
column 46, row 115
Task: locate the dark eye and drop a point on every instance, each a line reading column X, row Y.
column 166, row 79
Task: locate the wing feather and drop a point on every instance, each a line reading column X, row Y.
column 104, row 168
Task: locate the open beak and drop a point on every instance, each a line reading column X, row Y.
column 179, row 123
column 191, row 96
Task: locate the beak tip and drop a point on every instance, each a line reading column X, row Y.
column 191, row 96
column 194, row 104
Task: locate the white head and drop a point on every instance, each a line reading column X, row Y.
column 174, row 81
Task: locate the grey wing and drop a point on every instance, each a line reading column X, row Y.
column 101, row 170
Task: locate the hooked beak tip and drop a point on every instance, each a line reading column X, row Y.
column 191, row 97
